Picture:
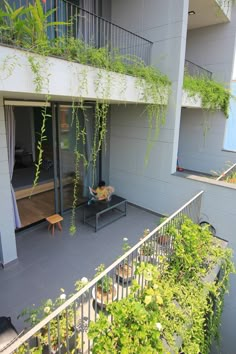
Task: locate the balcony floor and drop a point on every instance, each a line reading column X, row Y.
column 46, row 263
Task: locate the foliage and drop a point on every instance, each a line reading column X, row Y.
column 125, row 246
column 147, row 248
column 178, row 298
column 62, row 325
column 133, row 329
column 105, row 282
column 213, row 94
column 27, row 27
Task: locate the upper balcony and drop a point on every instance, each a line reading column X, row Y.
column 87, row 26
column 204, row 13
column 102, row 61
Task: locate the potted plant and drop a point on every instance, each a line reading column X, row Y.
column 105, row 292
column 125, row 271
column 62, row 327
column 147, row 250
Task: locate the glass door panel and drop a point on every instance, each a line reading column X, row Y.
column 67, row 153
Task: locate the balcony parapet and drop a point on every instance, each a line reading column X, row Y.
column 62, row 79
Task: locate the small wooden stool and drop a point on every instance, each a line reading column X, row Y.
column 54, row 219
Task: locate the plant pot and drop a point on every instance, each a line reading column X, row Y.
column 145, row 257
column 63, row 349
column 231, row 180
column 165, row 244
column 125, row 273
column 103, row 298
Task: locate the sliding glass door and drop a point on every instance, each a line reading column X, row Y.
column 76, row 127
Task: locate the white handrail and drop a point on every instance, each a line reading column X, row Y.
column 87, row 287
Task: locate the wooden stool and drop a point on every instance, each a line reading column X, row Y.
column 54, row 219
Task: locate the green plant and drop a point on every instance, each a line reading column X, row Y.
column 125, row 246
column 154, row 86
column 38, row 21
column 61, row 327
column 105, row 283
column 12, row 25
column 148, row 247
column 133, row 330
column 177, row 297
column 213, row 94
column 41, row 140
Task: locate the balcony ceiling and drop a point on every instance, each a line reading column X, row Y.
column 207, row 13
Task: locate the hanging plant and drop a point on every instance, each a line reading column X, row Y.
column 213, row 94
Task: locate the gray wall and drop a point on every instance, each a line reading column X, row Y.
column 153, row 186
column 166, row 25
column 201, row 141
column 213, row 48
column 7, row 239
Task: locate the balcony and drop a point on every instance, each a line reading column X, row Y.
column 147, row 262
column 93, row 30
column 197, row 70
column 208, row 12
column 46, row 263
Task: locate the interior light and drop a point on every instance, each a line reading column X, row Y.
column 191, row 13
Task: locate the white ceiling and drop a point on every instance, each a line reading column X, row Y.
column 207, row 13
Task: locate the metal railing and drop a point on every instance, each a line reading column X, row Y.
column 92, row 29
column 196, row 70
column 229, row 174
column 83, row 307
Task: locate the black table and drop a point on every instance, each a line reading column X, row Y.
column 102, row 213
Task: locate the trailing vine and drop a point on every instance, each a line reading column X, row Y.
column 41, row 82
column 42, row 139
column 80, row 135
column 213, row 94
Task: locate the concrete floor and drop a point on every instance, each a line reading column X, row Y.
column 46, row 263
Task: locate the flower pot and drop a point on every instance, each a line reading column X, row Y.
column 103, row 298
column 165, row 244
column 147, row 258
column 125, row 273
column 63, row 349
column 231, row 180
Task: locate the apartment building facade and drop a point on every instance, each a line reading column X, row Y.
column 176, row 36
column 164, row 34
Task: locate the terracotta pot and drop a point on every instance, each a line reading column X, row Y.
column 231, row 180
column 124, row 273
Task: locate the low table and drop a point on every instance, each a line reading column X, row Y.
column 112, row 211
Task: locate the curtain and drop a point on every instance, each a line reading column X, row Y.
column 89, row 127
column 10, row 132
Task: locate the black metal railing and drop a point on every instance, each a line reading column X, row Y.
column 197, row 70
column 68, row 325
column 92, row 29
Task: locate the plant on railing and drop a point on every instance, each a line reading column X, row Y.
column 125, row 270
column 147, row 249
column 177, row 297
column 133, row 329
column 62, row 327
column 213, row 94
